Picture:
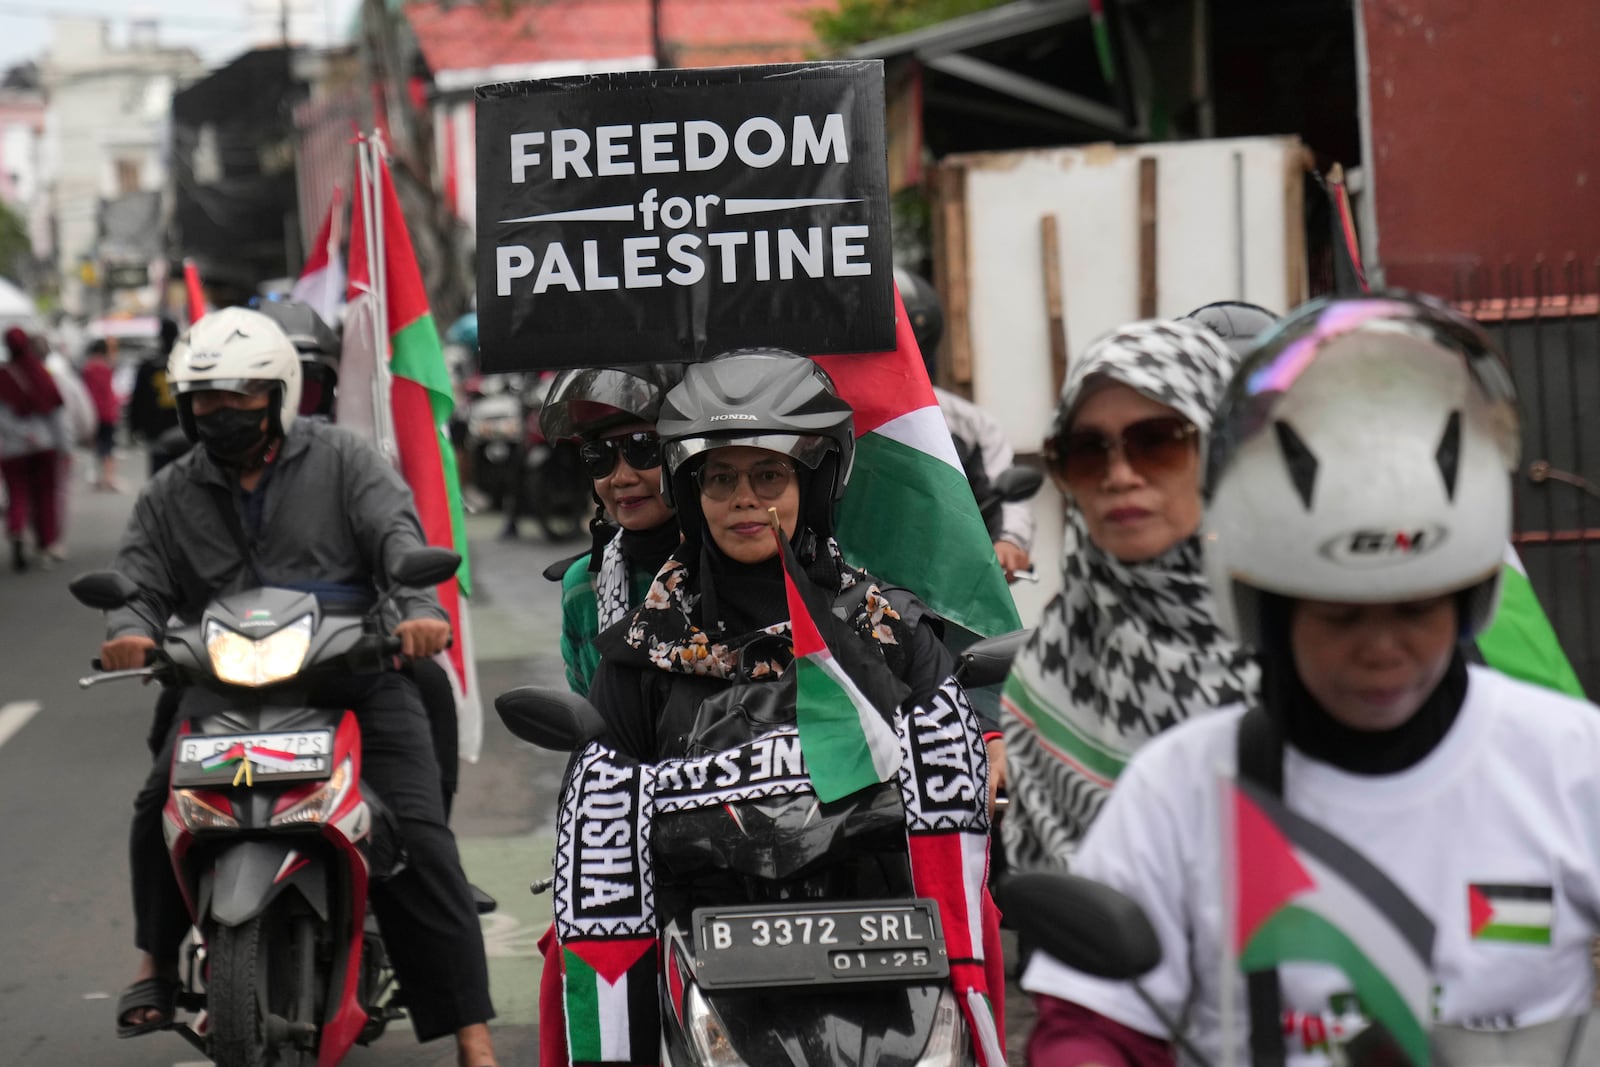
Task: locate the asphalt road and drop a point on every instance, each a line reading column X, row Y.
column 71, row 760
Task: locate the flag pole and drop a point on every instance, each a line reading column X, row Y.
column 372, row 216
column 1230, row 904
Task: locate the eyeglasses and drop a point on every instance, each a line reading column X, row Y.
column 1152, row 447
column 642, row 450
column 719, row 482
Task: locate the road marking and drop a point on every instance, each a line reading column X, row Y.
column 15, row 716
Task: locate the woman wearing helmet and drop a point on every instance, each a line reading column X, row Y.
column 1358, row 507
column 743, row 433
column 611, row 411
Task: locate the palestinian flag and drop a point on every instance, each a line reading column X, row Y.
column 1520, row 640
column 613, row 1010
column 848, row 743
column 419, row 404
column 1520, row 914
column 1303, row 895
column 321, row 285
column 232, row 754
column 909, row 517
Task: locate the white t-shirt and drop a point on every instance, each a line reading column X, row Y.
column 1509, row 798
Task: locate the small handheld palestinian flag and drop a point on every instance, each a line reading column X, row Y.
column 1301, row 894
column 847, row 742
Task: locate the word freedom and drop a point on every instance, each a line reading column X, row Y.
column 670, row 147
column 736, row 255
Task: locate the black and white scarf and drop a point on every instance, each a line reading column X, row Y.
column 1124, row 651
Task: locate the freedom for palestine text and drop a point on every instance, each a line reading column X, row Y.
column 681, row 239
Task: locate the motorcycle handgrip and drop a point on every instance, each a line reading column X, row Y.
column 150, row 655
column 393, row 646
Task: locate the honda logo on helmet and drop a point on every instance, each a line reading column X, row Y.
column 1370, row 546
column 733, row 415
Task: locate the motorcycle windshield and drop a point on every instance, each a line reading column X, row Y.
column 780, row 838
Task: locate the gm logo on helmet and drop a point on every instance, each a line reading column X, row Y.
column 1378, row 547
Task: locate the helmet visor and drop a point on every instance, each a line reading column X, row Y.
column 242, row 386
column 807, row 449
column 1282, row 357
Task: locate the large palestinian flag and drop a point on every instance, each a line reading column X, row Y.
column 1520, row 640
column 909, row 517
column 1303, row 895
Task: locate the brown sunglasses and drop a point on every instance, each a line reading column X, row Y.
column 1152, row 447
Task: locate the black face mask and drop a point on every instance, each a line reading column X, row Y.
column 233, row 438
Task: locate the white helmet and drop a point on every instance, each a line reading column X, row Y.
column 238, row 351
column 1362, row 454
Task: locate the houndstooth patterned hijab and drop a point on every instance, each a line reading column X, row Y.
column 1124, row 651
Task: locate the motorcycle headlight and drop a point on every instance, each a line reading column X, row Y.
column 709, row 1038
column 240, row 660
column 322, row 802
column 947, row 1038
column 204, row 811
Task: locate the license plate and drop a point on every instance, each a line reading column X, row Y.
column 207, row 759
column 819, row 944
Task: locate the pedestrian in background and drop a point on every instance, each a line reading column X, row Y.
column 33, row 436
column 97, row 372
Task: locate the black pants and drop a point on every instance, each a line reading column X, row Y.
column 429, row 923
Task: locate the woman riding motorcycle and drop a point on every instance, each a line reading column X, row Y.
column 1358, row 507
column 748, row 431
column 612, row 413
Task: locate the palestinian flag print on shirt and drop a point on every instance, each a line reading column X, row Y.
column 1520, row 914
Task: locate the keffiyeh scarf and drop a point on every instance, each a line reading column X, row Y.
column 1124, row 651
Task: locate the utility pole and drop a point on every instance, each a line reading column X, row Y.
column 658, row 47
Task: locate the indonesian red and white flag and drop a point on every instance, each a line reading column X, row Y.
column 321, row 283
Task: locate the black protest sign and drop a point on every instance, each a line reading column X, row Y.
column 669, row 215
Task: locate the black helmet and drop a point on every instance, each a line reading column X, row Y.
column 1237, row 323
column 591, row 400
column 925, row 312
column 767, row 398
column 319, row 351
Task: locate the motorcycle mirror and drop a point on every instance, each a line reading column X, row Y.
column 424, row 567
column 987, row 662
column 106, row 590
column 1084, row 924
column 1017, row 483
column 550, row 718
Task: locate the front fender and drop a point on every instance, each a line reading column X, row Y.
column 248, row 876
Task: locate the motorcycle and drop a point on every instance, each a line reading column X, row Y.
column 788, row 930
column 495, row 417
column 552, row 487
column 1100, row 931
column 272, row 837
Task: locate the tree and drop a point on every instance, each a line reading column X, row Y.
column 858, row 21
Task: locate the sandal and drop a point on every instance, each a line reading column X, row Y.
column 147, row 994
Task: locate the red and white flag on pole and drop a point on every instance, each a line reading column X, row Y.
column 321, row 283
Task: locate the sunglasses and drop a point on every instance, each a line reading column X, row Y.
column 719, row 482
column 641, row 449
column 1152, row 447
